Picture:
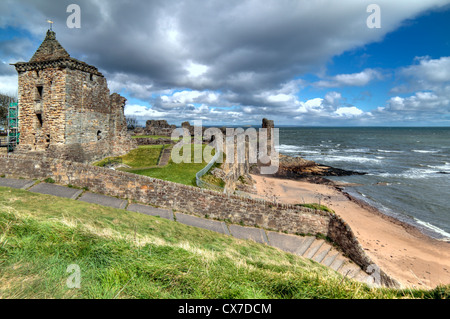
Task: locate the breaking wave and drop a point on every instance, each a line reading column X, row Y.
column 433, row 228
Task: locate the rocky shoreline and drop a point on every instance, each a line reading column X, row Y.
column 297, row 168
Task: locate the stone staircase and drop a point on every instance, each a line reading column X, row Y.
column 322, row 252
column 165, row 156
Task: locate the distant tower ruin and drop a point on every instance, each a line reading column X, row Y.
column 66, row 110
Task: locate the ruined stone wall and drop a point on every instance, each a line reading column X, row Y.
column 153, row 141
column 96, row 124
column 120, row 139
column 156, row 127
column 87, row 108
column 269, row 215
column 238, row 167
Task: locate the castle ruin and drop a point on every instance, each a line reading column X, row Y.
column 66, row 110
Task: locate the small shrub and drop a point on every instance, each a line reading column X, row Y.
column 317, row 207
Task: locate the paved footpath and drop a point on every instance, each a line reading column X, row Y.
column 309, row 247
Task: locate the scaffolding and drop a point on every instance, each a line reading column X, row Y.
column 13, row 127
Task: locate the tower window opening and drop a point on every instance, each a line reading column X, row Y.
column 39, row 117
column 40, row 90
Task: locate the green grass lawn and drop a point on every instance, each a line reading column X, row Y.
column 179, row 173
column 144, row 159
column 155, row 137
column 143, row 156
column 123, row 254
column 317, row 207
column 183, row 173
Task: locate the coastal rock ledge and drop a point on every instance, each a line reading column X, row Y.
column 297, row 167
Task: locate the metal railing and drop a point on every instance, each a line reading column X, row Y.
column 203, row 184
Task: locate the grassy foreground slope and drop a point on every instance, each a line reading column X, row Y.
column 129, row 255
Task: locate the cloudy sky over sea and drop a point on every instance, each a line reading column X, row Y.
column 233, row 62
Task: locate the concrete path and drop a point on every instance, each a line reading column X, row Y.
column 16, row 183
column 103, row 200
column 309, row 247
column 255, row 234
column 150, row 210
column 217, row 226
column 56, row 190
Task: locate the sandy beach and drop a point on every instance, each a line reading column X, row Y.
column 402, row 251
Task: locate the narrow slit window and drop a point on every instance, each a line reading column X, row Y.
column 39, row 117
column 40, row 91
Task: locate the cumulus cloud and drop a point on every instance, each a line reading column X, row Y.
column 430, row 70
column 349, row 111
column 8, row 84
column 184, row 98
column 423, row 102
column 143, row 112
column 217, row 58
column 354, row 79
column 426, row 74
column 429, row 80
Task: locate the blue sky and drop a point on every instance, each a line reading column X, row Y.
column 231, row 63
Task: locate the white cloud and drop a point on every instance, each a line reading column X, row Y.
column 279, row 98
column 186, row 97
column 428, row 85
column 333, row 98
column 130, row 84
column 311, row 106
column 349, row 111
column 143, row 111
column 8, row 84
column 353, row 79
column 420, row 102
column 430, row 70
column 195, row 69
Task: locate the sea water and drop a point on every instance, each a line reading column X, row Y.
column 408, row 169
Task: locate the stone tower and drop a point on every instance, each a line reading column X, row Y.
column 66, row 110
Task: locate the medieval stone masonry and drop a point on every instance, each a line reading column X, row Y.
column 66, row 109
